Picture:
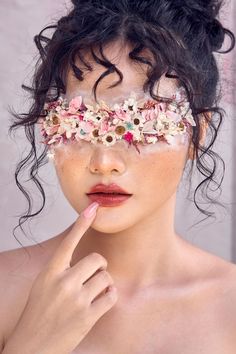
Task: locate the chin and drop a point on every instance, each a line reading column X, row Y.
column 112, row 223
column 107, row 229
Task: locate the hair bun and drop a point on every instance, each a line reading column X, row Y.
column 212, row 7
column 207, row 11
column 214, row 28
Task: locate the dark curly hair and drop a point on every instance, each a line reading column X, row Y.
column 182, row 36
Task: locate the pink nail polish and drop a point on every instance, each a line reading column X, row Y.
column 90, row 210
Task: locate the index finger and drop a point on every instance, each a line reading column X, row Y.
column 62, row 256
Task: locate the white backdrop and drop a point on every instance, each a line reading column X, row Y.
column 19, row 22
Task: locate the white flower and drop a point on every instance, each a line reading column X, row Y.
column 151, row 139
column 170, row 139
column 130, row 105
column 68, row 134
column 137, row 135
column 89, row 115
column 116, row 121
column 141, row 119
column 109, row 139
column 148, row 127
column 67, row 126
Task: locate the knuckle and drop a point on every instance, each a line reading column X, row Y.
column 111, row 296
column 98, row 258
column 81, row 301
column 105, row 276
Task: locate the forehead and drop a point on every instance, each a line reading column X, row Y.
column 134, row 75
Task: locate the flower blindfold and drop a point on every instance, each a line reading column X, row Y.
column 145, row 123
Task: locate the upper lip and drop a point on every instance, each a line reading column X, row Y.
column 110, row 188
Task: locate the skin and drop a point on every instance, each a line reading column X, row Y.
column 172, row 296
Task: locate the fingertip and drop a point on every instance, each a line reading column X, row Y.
column 90, row 211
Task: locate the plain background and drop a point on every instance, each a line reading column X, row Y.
column 20, row 20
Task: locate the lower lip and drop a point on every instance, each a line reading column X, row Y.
column 108, row 199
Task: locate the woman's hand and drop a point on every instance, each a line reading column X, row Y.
column 61, row 307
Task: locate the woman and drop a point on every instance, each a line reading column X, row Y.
column 120, row 279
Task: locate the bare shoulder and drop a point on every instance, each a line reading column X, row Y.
column 15, row 263
column 14, row 282
column 221, row 275
column 218, row 270
column 227, row 285
column 227, row 278
column 25, row 262
column 18, row 270
column 218, row 279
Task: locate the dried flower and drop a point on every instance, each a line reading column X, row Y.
column 149, row 123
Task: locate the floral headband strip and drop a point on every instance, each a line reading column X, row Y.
column 147, row 123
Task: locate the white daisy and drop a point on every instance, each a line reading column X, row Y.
column 109, row 139
column 130, row 104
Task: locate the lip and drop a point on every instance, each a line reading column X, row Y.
column 102, row 194
column 109, row 200
column 110, row 188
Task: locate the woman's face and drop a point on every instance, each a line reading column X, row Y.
column 151, row 177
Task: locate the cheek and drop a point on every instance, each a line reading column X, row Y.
column 70, row 169
column 160, row 172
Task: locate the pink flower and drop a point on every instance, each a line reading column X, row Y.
column 52, row 130
column 128, row 137
column 64, row 113
column 75, row 104
column 149, row 114
column 104, row 126
column 86, row 126
column 122, row 115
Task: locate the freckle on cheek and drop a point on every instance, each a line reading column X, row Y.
column 62, row 154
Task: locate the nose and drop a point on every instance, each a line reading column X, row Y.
column 106, row 160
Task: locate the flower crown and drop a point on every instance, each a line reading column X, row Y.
column 148, row 123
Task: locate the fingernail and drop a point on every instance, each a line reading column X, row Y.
column 90, row 210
